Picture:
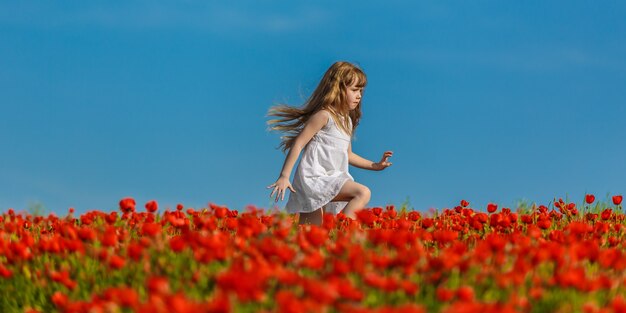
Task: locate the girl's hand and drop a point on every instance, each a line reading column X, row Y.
column 384, row 162
column 280, row 186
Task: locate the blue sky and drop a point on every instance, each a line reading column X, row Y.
column 488, row 101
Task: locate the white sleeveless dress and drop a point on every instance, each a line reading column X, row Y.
column 322, row 171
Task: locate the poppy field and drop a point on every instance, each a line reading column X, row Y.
column 563, row 257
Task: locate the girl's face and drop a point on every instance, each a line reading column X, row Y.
column 354, row 94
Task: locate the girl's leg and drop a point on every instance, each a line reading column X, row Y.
column 314, row 218
column 357, row 196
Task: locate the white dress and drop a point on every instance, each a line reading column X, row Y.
column 322, row 171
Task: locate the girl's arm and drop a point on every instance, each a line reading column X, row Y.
column 312, row 126
column 360, row 162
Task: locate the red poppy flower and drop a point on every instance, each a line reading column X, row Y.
column 465, row 293
column 127, row 297
column 492, row 207
column 618, row 304
column 317, row 236
column 314, row 261
column 134, row 251
column 444, row 294
column 116, row 262
column 59, row 299
column 287, row 277
column 347, row 290
column 87, row 234
column 158, row 285
column 232, row 223
column 427, row 223
column 151, row 229
column 109, row 238
column 590, row 198
column 544, row 224
column 607, row 214
column 328, row 222
column 617, row 200
column 320, row 291
column 127, row 205
column 445, row 236
column 5, row 272
column 414, row 216
column 111, row 218
column 247, row 284
column 152, row 206
column 177, row 243
column 288, row 302
column 377, row 211
column 536, row 293
column 366, row 217
column 409, row 287
column 220, row 303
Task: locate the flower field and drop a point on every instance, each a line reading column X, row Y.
column 564, row 257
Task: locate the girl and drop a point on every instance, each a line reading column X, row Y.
column 323, row 127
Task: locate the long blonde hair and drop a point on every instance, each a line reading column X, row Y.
column 329, row 95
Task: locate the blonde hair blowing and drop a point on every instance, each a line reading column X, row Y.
column 329, row 95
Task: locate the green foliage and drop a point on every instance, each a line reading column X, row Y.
column 37, row 208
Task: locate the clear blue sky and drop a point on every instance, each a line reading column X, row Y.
column 489, row 101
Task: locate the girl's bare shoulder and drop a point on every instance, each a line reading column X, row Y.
column 317, row 121
column 321, row 116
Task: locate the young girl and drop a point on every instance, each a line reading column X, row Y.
column 323, row 127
